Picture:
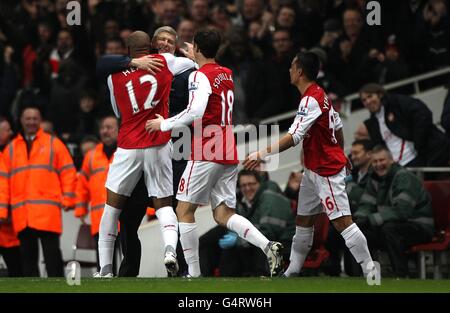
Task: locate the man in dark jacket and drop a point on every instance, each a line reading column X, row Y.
column 445, row 117
column 405, row 126
column 395, row 211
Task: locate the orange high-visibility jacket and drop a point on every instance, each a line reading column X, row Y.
column 8, row 237
column 91, row 188
column 41, row 182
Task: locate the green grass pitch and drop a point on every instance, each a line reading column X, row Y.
column 223, row 285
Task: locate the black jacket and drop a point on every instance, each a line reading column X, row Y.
column 410, row 119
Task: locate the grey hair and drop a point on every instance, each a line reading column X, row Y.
column 165, row 29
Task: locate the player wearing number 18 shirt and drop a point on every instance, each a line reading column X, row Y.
column 210, row 175
column 323, row 187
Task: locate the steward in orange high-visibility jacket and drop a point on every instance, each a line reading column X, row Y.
column 42, row 181
column 9, row 244
column 91, row 190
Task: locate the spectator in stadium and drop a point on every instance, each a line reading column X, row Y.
column 89, row 114
column 433, row 34
column 6, row 132
column 445, row 117
column 64, row 104
column 42, row 181
column 385, row 67
column 254, row 98
column 278, row 65
column 199, row 13
column 221, row 17
column 185, row 32
column 405, row 125
column 394, row 212
column 332, row 30
column 9, row 243
column 348, row 52
column 87, row 144
column 252, row 10
column 326, row 79
column 269, row 211
column 47, row 126
column 115, row 45
column 9, row 79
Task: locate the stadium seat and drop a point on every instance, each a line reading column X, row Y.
column 440, row 198
column 318, row 253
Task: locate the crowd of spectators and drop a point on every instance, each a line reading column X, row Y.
column 46, row 61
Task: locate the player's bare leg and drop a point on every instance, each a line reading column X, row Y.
column 169, row 231
column 301, row 243
column 188, row 236
column 355, row 241
column 227, row 217
column 108, row 232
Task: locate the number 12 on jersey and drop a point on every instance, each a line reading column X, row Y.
column 227, row 107
column 149, row 103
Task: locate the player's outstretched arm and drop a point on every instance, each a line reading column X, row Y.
column 200, row 89
column 255, row 158
column 112, row 63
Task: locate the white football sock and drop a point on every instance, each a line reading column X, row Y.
column 246, row 230
column 190, row 242
column 169, row 227
column 107, row 236
column 357, row 244
column 301, row 244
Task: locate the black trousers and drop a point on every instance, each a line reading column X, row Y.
column 335, row 244
column 234, row 262
column 209, row 250
column 130, row 220
column 12, row 260
column 177, row 172
column 29, row 250
column 396, row 238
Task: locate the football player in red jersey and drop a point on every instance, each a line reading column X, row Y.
column 136, row 96
column 323, row 187
column 211, row 174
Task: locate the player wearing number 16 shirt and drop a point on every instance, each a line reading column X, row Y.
column 136, row 96
column 323, row 187
column 210, row 175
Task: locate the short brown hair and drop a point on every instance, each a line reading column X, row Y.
column 371, row 88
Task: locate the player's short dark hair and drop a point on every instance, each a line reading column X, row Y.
column 310, row 64
column 366, row 143
column 208, row 42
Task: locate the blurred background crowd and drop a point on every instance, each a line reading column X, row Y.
column 46, row 61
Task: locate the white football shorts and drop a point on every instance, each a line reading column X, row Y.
column 320, row 194
column 204, row 181
column 154, row 162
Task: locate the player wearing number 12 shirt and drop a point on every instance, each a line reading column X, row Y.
column 210, row 175
column 137, row 96
column 323, row 186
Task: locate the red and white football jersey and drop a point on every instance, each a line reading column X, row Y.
column 137, row 96
column 210, row 108
column 315, row 124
